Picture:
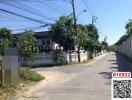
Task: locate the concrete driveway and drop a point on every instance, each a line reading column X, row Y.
column 75, row 82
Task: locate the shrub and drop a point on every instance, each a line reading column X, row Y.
column 58, row 57
column 90, row 55
column 26, row 74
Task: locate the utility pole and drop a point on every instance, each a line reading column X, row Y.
column 94, row 18
column 75, row 27
column 105, row 38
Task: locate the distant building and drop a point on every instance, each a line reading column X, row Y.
column 44, row 41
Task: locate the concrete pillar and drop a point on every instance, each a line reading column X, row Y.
column 11, row 67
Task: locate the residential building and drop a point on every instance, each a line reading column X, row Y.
column 45, row 42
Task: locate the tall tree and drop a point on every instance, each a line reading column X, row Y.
column 127, row 34
column 26, row 43
column 5, row 38
column 89, row 37
column 93, row 31
column 122, row 38
column 129, row 27
column 63, row 33
column 81, row 30
column 104, row 45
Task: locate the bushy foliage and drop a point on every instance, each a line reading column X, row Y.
column 5, row 38
column 58, row 57
column 127, row 34
column 26, row 43
column 26, row 74
column 63, row 33
column 112, row 48
column 123, row 38
column 89, row 37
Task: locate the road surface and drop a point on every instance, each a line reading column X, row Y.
column 75, row 82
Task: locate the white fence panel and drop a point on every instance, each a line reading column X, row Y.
column 40, row 59
column 126, row 47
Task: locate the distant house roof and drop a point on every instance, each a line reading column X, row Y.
column 39, row 35
column 43, row 34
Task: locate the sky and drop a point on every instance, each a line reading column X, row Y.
column 112, row 15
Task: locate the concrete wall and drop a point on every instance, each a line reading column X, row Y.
column 74, row 56
column 44, row 59
column 41, row 59
column 126, row 47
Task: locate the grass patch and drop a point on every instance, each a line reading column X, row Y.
column 27, row 75
column 27, row 78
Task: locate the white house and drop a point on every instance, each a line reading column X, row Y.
column 45, row 42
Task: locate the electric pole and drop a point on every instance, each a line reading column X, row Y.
column 75, row 27
column 105, row 38
column 94, row 18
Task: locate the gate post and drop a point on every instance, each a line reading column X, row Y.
column 11, row 65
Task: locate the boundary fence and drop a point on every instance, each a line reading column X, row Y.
column 126, row 47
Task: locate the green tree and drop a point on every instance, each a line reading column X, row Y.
column 5, row 38
column 81, row 29
column 104, row 45
column 122, row 38
column 93, row 31
column 89, row 37
column 26, row 43
column 129, row 27
column 112, row 48
column 127, row 34
column 63, row 33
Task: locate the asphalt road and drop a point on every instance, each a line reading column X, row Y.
column 75, row 82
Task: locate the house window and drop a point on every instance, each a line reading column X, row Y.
column 43, row 42
column 40, row 49
column 48, row 41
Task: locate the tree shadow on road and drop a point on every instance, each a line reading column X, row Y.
column 124, row 65
column 108, row 76
column 111, row 60
column 121, row 64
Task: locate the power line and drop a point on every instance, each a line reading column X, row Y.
column 26, row 8
column 67, row 1
column 12, row 19
column 33, row 28
column 98, row 20
column 15, row 20
column 30, row 28
column 90, row 7
column 24, row 0
column 36, row 11
column 61, row 7
column 91, row 13
column 54, row 8
column 38, row 21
